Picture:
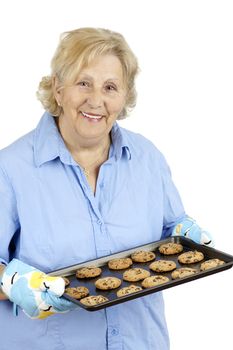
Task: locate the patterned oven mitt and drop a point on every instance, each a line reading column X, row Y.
column 38, row 294
column 189, row 228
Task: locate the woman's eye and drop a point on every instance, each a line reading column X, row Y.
column 83, row 83
column 111, row 87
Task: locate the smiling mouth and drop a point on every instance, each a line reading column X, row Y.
column 94, row 117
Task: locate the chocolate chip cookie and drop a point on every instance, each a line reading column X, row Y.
column 128, row 290
column 106, row 283
column 77, row 292
column 88, row 272
column 93, row 300
column 120, row 264
column 154, row 281
column 142, row 256
column 183, row 272
column 191, row 257
column 209, row 264
column 162, row 265
column 170, row 248
column 135, row 274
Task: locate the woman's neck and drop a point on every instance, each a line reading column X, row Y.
column 86, row 151
column 86, row 154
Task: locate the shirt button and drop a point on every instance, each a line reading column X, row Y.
column 99, row 222
column 115, row 331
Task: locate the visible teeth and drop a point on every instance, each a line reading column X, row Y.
column 92, row 116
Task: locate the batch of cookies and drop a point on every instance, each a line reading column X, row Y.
column 138, row 274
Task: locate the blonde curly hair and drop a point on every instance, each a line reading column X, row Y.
column 78, row 48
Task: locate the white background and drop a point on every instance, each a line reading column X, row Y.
column 185, row 91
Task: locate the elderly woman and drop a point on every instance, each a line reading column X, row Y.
column 80, row 187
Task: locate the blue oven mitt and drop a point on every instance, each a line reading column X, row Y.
column 189, row 228
column 38, row 294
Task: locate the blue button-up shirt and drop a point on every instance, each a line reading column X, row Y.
column 50, row 218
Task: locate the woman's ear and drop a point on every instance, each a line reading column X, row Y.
column 56, row 89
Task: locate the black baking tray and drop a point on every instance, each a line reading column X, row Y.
column 209, row 253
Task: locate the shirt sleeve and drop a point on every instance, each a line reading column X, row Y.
column 172, row 205
column 9, row 222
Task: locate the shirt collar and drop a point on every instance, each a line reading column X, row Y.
column 48, row 143
column 120, row 143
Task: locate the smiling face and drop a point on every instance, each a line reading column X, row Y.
column 92, row 104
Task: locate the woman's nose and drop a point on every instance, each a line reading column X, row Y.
column 95, row 99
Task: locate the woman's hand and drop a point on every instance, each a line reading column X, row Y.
column 38, row 294
column 188, row 228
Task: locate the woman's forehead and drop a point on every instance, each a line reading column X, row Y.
column 108, row 67
column 84, row 75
